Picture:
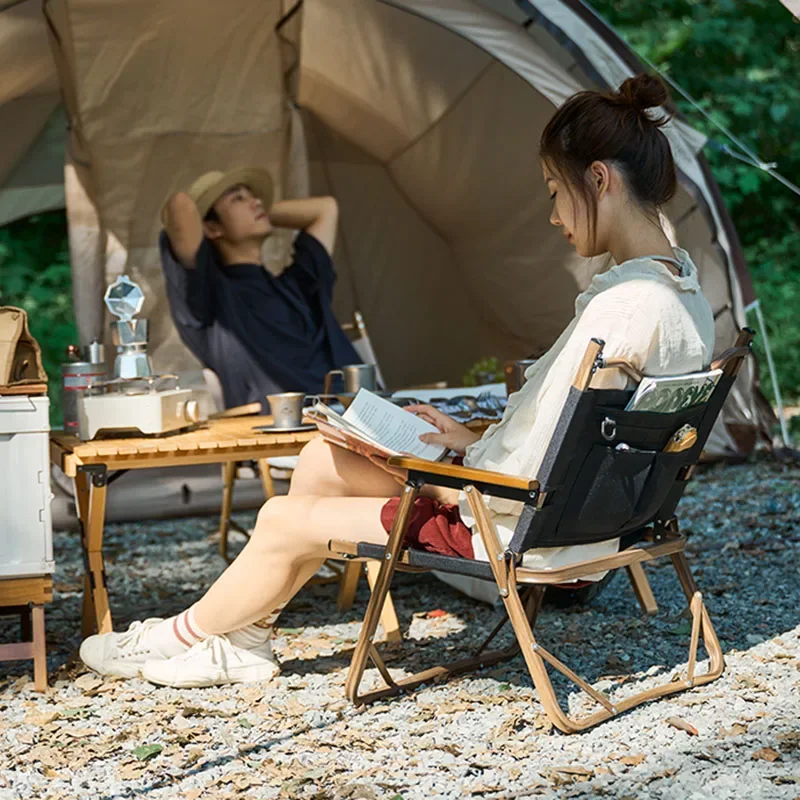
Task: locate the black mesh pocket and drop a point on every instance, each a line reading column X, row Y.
column 659, row 482
column 607, row 491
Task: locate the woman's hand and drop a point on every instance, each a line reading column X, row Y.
column 451, row 434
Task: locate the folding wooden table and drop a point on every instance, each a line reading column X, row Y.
column 93, row 465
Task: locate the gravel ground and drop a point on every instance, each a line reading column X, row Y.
column 483, row 736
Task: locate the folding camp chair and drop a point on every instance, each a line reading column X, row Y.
column 588, row 490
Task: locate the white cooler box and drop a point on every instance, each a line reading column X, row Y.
column 26, row 529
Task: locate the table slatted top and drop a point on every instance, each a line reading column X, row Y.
column 210, row 442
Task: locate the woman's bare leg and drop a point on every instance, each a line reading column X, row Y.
column 325, row 470
column 290, row 541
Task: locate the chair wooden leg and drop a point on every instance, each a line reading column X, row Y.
column 228, row 477
column 642, row 590
column 536, row 656
column 389, row 622
column 348, row 583
column 39, row 649
column 378, row 597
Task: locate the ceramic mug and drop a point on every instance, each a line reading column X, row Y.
column 355, row 377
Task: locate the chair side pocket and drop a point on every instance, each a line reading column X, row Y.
column 611, row 483
column 663, row 475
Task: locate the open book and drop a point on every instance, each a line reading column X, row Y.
column 674, row 393
column 375, row 426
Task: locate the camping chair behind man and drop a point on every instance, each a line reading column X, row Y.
column 588, row 490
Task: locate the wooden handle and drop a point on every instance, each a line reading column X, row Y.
column 467, row 474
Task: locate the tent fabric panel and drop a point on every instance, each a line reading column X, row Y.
column 224, row 65
column 490, row 203
column 43, row 163
column 133, row 179
column 25, row 61
column 415, row 307
column 21, row 123
column 19, row 203
column 368, row 71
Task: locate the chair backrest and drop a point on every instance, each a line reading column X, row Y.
column 605, row 472
column 359, row 338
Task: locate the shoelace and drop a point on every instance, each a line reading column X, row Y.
column 215, row 645
column 129, row 643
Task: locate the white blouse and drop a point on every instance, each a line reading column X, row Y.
column 658, row 321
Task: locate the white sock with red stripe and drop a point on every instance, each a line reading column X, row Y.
column 257, row 633
column 176, row 634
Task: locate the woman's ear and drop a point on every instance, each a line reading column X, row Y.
column 600, row 176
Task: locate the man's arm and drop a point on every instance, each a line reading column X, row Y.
column 184, row 227
column 315, row 215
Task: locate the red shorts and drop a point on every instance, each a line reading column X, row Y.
column 435, row 527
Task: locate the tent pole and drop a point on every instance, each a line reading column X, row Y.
column 756, row 306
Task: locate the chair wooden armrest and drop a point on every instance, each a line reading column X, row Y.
column 238, row 411
column 464, row 475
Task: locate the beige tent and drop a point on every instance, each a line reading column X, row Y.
column 422, row 118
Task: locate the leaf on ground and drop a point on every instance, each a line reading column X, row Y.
column 737, row 729
column 766, row 754
column 130, row 772
column 147, row 751
column 88, row 682
column 681, row 725
column 244, row 722
column 684, row 629
column 41, row 718
column 633, row 761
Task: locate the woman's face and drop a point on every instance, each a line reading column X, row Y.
column 572, row 214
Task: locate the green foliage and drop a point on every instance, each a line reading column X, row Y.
column 487, row 370
column 35, row 275
column 739, row 59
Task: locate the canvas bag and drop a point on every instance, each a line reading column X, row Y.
column 20, row 354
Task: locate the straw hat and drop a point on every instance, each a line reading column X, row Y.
column 209, row 187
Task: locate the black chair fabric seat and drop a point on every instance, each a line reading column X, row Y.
column 425, row 560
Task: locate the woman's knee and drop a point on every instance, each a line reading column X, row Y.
column 316, row 471
column 278, row 522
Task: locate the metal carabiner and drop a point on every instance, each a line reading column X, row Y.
column 608, row 429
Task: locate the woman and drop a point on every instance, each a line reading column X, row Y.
column 609, row 169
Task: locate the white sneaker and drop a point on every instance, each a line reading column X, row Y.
column 215, row 661
column 120, row 654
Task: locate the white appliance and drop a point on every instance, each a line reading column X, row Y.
column 26, row 530
column 135, row 407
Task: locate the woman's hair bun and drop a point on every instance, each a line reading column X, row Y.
column 643, row 92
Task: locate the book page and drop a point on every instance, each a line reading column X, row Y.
column 335, row 420
column 391, row 426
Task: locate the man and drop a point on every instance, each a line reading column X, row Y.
column 259, row 333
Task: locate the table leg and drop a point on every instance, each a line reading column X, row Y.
column 228, row 477
column 91, row 496
column 266, row 478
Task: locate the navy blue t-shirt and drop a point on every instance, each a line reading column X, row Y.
column 259, row 333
